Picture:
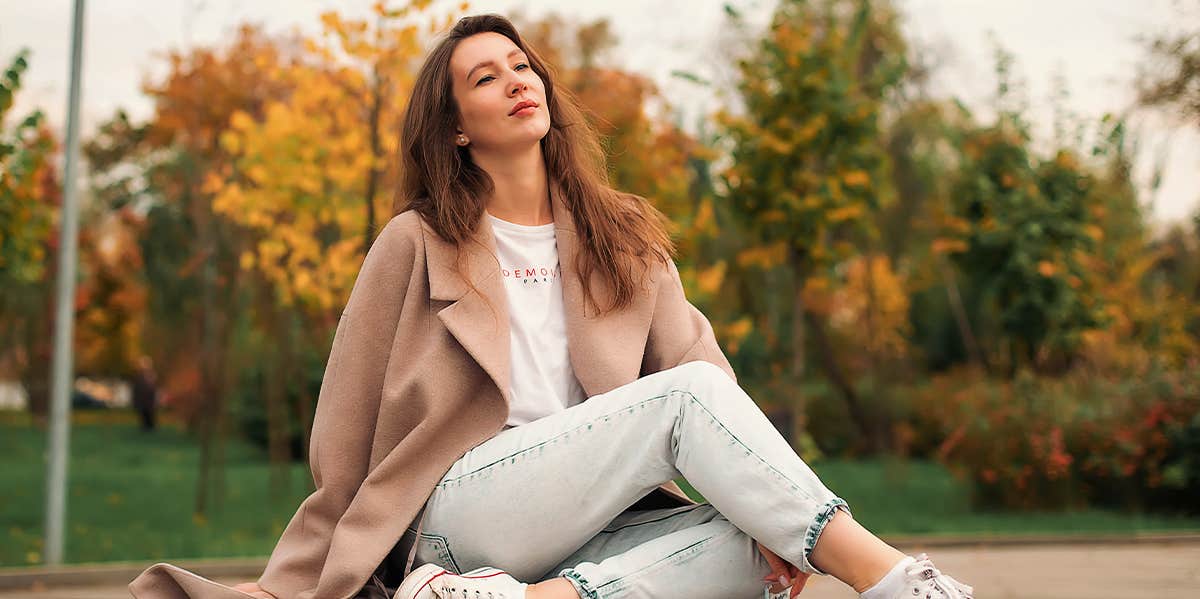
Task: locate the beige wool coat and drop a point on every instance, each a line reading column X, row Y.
column 418, row 374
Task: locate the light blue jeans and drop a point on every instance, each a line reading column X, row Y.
column 549, row 498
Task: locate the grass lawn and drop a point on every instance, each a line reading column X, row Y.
column 132, row 494
column 131, row 498
column 893, row 497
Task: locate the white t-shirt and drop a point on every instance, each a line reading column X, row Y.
column 542, row 379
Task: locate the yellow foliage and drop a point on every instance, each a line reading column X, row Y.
column 956, row 224
column 871, row 307
column 812, row 128
column 856, row 178
column 773, row 215
column 734, row 333
column 230, row 142
column 258, row 174
column 709, row 280
column 1066, row 160
column 774, row 143
column 844, row 213
column 300, row 171
column 704, row 222
column 835, row 189
column 241, row 121
column 947, row 245
column 765, row 257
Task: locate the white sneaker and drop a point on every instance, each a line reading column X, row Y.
column 419, row 583
column 431, row 581
column 922, row 580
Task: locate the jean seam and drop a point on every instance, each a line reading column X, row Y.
column 556, row 437
column 750, row 451
column 681, row 512
column 673, row 557
column 445, row 546
column 823, row 516
column 816, row 528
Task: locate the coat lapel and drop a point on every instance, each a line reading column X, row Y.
column 598, row 364
column 478, row 320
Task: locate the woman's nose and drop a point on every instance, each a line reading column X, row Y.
column 517, row 87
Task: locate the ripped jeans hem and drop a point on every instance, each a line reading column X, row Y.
column 582, row 586
column 824, row 515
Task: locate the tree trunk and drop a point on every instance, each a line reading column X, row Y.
column 840, row 381
column 880, row 420
column 960, row 315
column 210, row 394
column 798, row 403
column 215, row 378
column 278, row 438
column 36, row 334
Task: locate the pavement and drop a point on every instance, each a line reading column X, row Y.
column 1036, row 569
column 1059, row 572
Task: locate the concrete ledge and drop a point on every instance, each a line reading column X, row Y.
column 120, row 573
column 982, row 540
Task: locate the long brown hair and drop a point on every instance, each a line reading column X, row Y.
column 620, row 234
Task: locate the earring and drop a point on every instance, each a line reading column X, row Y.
column 462, row 140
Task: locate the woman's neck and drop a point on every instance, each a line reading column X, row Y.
column 522, row 191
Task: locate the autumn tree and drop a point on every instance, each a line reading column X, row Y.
column 304, row 187
column 1169, row 76
column 1169, row 80
column 29, row 200
column 189, row 253
column 1021, row 228
column 807, row 166
column 1148, row 285
column 110, row 298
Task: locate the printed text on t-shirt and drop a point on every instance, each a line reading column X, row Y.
column 531, row 274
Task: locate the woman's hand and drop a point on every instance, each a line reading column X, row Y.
column 252, row 589
column 782, row 573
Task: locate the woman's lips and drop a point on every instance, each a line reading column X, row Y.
column 524, row 106
column 525, row 111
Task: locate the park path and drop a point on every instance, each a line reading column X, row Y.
column 1090, row 571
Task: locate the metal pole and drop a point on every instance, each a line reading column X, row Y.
column 61, row 383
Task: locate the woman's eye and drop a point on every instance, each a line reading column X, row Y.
column 486, row 77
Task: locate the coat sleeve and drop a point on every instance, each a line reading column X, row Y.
column 347, row 406
column 679, row 332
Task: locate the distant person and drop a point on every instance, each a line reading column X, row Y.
column 145, row 392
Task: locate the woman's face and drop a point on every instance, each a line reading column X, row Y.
column 491, row 77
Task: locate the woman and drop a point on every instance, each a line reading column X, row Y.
column 453, row 451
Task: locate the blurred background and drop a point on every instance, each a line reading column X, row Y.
column 952, row 247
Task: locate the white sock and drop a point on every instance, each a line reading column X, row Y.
column 890, row 585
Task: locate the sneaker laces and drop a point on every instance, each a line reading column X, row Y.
column 930, row 579
column 449, row 591
column 454, row 592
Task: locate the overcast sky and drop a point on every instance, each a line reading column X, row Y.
column 1089, row 43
